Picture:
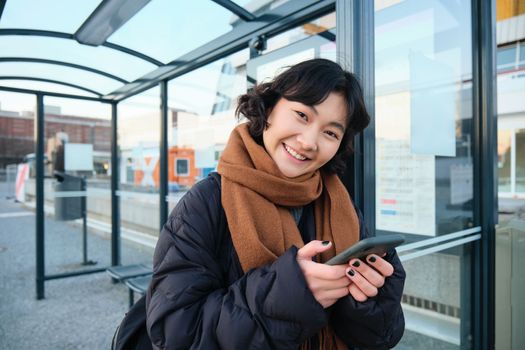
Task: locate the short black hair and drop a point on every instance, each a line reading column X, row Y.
column 309, row 82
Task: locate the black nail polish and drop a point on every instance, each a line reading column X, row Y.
column 326, row 242
column 351, row 272
column 372, row 259
column 356, row 263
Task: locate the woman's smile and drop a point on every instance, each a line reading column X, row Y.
column 294, row 154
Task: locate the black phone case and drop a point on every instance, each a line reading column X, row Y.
column 372, row 245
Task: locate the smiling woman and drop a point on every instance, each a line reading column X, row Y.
column 239, row 264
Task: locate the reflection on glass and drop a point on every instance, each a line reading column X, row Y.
column 510, row 231
column 504, row 160
column 432, row 301
column 520, row 160
column 139, row 140
column 320, row 26
column 201, row 116
column 424, row 167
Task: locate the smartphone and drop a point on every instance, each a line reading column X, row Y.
column 373, row 245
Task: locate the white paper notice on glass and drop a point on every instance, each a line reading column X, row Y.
column 78, row 156
column 405, row 189
column 432, row 104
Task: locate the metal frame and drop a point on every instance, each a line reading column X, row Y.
column 39, row 184
column 2, row 6
column 355, row 53
column 54, row 94
column 109, row 14
column 485, row 146
column 61, row 35
column 63, row 63
column 40, row 275
column 115, row 184
column 17, row 77
column 165, row 123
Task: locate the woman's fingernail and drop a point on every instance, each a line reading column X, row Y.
column 351, row 272
column 356, row 263
column 326, row 242
column 372, row 259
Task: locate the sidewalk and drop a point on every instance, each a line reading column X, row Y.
column 78, row 312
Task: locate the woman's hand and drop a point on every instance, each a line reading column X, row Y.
column 367, row 277
column 327, row 283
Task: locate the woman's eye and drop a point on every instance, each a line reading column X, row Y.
column 302, row 115
column 332, row 134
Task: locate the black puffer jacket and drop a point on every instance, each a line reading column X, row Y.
column 200, row 298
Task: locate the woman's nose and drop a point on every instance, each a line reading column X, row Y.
column 307, row 140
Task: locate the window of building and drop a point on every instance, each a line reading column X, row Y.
column 182, row 167
column 506, row 57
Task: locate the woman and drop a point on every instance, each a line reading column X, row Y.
column 238, row 265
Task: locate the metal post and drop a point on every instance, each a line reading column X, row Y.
column 84, row 224
column 484, row 108
column 355, row 53
column 39, row 224
column 115, row 210
column 163, row 148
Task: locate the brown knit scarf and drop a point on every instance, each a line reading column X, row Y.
column 257, row 198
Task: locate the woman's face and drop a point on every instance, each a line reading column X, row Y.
column 300, row 138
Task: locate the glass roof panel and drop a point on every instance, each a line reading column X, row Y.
column 47, row 15
column 43, row 86
column 69, row 75
column 102, row 58
column 257, row 7
column 167, row 29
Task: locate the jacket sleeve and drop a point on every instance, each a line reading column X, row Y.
column 190, row 306
column 377, row 323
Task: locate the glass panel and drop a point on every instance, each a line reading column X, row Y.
column 166, row 29
column 201, row 116
column 520, row 160
column 510, row 231
column 47, row 15
column 102, row 58
column 506, row 58
column 434, row 302
column 77, row 197
column 138, row 139
column 504, row 160
column 325, row 24
column 424, row 165
column 92, row 81
column 17, row 144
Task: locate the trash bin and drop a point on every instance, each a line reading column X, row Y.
column 69, row 206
